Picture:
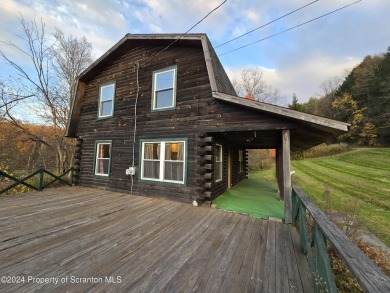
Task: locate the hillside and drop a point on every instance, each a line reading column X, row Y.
column 358, row 178
column 362, row 98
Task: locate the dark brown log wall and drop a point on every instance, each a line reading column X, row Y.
column 196, row 111
column 236, row 176
column 192, row 86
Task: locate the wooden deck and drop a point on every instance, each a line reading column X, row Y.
column 90, row 240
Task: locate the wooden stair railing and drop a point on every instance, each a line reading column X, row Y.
column 314, row 245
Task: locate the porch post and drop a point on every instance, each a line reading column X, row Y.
column 286, row 176
column 279, row 170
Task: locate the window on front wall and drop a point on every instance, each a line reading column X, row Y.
column 163, row 161
column 218, row 162
column 103, row 158
column 106, row 100
column 164, row 89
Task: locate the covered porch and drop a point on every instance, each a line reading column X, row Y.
column 89, row 240
column 275, row 128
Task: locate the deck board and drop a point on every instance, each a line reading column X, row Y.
column 152, row 245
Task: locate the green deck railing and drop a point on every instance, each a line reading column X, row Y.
column 41, row 179
column 313, row 240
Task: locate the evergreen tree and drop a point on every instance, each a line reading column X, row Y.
column 295, row 105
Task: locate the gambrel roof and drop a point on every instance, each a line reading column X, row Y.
column 219, row 80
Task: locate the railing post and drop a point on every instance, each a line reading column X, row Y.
column 71, row 175
column 40, row 183
column 295, row 206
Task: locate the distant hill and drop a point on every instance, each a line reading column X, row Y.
column 362, row 99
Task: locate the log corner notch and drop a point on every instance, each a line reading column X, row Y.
column 283, row 174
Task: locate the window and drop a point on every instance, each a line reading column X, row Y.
column 106, row 100
column 164, row 89
column 164, row 161
column 218, row 162
column 103, row 158
column 240, row 161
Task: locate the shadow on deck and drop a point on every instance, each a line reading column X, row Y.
column 84, row 239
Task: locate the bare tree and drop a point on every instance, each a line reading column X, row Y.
column 329, row 89
column 71, row 56
column 253, row 83
column 45, row 85
column 330, row 86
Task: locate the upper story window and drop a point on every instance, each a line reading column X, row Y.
column 106, row 100
column 164, row 89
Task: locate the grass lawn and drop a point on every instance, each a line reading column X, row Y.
column 255, row 197
column 361, row 175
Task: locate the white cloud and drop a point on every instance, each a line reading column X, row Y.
column 303, row 80
column 101, row 23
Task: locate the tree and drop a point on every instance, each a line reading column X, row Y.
column 71, row 56
column 362, row 131
column 44, row 86
column 368, row 135
column 369, row 84
column 295, row 105
column 252, row 83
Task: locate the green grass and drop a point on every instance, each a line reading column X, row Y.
column 361, row 175
column 255, row 197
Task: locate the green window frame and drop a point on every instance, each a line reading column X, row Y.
column 164, row 161
column 164, row 89
column 218, row 170
column 103, row 153
column 241, row 161
column 106, row 100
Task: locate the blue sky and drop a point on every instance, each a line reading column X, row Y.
column 294, row 62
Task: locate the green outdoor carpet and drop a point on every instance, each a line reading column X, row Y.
column 254, row 197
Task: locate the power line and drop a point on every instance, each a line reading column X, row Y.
column 255, row 29
column 190, row 28
column 289, row 29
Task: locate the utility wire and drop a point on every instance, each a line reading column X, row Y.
column 289, row 29
column 135, row 122
column 189, row 29
column 255, row 29
column 137, row 68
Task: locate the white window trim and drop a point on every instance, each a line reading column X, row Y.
column 162, row 161
column 155, row 74
column 97, row 158
column 221, row 165
column 112, row 100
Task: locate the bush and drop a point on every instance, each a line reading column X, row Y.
column 380, row 257
column 345, row 282
column 323, row 150
column 259, row 159
column 5, row 182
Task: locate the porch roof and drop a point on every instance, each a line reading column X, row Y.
column 307, row 130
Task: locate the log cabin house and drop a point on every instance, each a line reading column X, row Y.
column 157, row 115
